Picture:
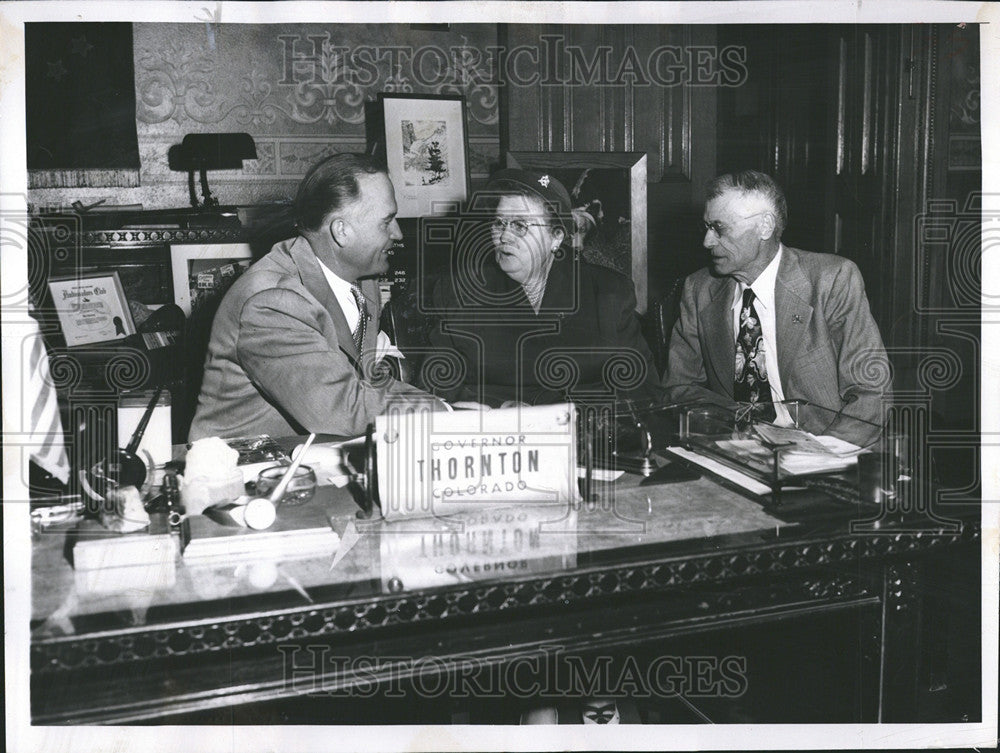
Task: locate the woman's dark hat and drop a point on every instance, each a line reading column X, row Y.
column 544, row 185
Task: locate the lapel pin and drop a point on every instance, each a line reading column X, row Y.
column 797, row 319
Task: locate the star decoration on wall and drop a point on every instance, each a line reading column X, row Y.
column 80, row 46
column 57, row 70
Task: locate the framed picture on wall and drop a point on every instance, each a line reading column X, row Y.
column 608, row 191
column 146, row 279
column 203, row 274
column 92, row 308
column 426, row 151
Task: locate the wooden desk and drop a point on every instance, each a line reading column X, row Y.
column 621, row 576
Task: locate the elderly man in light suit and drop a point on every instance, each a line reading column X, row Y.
column 294, row 341
column 766, row 322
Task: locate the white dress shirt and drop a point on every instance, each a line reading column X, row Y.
column 763, row 290
column 348, row 304
column 342, row 292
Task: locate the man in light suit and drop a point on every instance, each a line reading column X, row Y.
column 293, row 343
column 765, row 322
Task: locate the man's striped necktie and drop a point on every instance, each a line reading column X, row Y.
column 359, row 330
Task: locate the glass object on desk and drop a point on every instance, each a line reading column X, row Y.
column 709, row 421
column 773, row 454
column 61, row 511
column 626, row 432
column 300, row 489
column 900, row 447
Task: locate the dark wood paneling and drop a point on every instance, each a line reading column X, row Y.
column 591, row 101
column 673, row 122
column 781, row 121
column 856, row 123
column 831, row 112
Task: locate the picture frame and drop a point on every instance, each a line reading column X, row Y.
column 203, row 273
column 146, row 279
column 609, row 194
column 92, row 308
column 425, row 144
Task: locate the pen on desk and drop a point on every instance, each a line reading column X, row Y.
column 279, row 490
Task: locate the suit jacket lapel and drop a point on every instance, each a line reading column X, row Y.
column 372, row 294
column 315, row 282
column 716, row 321
column 792, row 313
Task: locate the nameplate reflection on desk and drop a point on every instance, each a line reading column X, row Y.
column 484, row 544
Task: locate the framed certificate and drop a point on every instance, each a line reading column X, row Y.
column 92, row 308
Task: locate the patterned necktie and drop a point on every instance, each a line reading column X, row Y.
column 751, row 385
column 359, row 331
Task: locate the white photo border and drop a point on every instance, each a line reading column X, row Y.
column 21, row 736
column 181, row 254
column 422, row 201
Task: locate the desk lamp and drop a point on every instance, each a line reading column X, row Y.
column 210, row 151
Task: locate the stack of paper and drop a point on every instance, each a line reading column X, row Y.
column 807, row 453
column 839, row 455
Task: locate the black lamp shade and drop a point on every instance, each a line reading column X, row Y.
column 212, row 151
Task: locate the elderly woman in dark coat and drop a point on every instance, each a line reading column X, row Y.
column 530, row 323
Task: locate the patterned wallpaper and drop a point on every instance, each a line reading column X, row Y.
column 300, row 91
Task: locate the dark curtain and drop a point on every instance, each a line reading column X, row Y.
column 80, row 96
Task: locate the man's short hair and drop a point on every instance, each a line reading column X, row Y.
column 329, row 185
column 752, row 181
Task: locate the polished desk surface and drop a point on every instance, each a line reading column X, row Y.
column 625, row 522
column 376, row 557
column 633, row 561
